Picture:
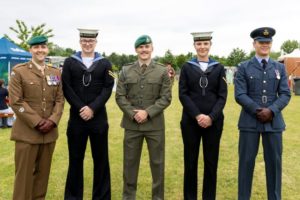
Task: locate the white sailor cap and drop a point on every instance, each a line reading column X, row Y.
column 88, row 33
column 202, row 36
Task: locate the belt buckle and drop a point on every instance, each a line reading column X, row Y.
column 264, row 99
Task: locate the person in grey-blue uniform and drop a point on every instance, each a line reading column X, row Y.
column 261, row 88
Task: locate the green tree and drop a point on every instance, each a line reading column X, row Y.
column 236, row 56
column 23, row 33
column 289, row 46
column 55, row 50
column 168, row 58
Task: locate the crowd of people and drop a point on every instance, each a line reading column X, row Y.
column 37, row 93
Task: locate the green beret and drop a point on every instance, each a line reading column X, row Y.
column 144, row 39
column 41, row 39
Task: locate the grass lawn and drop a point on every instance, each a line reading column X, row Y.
column 228, row 162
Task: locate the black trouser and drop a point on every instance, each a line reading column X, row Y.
column 77, row 140
column 192, row 135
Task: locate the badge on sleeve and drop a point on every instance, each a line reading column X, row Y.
column 21, row 109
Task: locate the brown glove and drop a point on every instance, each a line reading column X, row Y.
column 264, row 115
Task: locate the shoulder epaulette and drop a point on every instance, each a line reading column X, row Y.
column 128, row 64
column 157, row 63
column 20, row 65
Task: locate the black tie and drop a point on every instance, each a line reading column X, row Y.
column 264, row 62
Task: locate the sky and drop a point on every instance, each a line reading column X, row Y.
column 168, row 22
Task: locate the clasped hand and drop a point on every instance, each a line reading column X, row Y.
column 45, row 126
column 86, row 113
column 204, row 120
column 264, row 115
column 140, row 116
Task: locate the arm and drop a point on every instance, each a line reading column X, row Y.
column 164, row 99
column 241, row 92
column 284, row 94
column 121, row 96
column 184, row 97
column 23, row 111
column 103, row 97
column 68, row 91
column 222, row 96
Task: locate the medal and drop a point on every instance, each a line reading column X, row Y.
column 277, row 74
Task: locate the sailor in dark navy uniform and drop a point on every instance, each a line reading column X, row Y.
column 261, row 88
column 203, row 94
column 87, row 84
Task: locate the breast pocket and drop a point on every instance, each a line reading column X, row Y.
column 32, row 89
column 154, row 85
column 131, row 85
column 254, row 84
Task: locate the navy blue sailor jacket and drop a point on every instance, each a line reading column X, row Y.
column 87, row 86
column 255, row 88
column 203, row 92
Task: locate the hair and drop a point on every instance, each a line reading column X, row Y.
column 1, row 82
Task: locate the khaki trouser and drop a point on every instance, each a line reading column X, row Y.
column 32, row 168
column 133, row 143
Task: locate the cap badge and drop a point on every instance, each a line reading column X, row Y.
column 266, row 32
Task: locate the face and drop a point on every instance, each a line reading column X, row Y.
column 144, row 51
column 202, row 48
column 262, row 49
column 39, row 52
column 88, row 45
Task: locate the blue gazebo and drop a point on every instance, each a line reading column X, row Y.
column 10, row 55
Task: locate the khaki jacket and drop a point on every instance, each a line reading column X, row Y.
column 34, row 96
column 150, row 91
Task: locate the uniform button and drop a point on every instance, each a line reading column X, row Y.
column 142, row 86
column 141, row 96
column 44, row 99
column 264, row 91
column 265, row 81
column 44, row 89
column 265, row 72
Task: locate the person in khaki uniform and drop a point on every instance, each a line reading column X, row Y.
column 37, row 99
column 143, row 92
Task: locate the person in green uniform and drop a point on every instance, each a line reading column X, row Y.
column 143, row 92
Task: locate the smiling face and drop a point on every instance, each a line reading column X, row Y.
column 39, row 52
column 262, row 49
column 144, row 52
column 202, row 48
column 88, row 45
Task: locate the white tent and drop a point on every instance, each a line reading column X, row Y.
column 294, row 54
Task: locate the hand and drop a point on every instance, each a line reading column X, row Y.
column 204, row 121
column 140, row 116
column 40, row 124
column 45, row 126
column 264, row 115
column 86, row 113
